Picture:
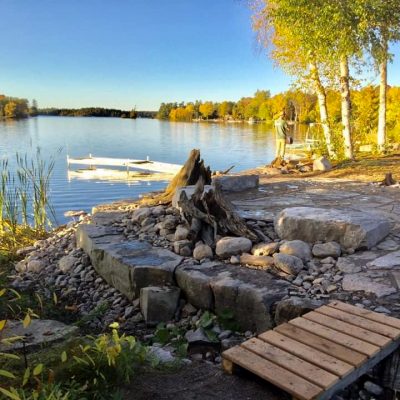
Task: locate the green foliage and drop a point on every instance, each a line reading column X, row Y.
column 13, row 107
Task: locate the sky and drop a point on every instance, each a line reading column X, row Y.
column 126, row 53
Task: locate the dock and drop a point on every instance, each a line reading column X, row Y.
column 145, row 165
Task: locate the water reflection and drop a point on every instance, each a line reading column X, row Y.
column 221, row 145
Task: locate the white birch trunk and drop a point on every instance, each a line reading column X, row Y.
column 323, row 109
column 382, row 105
column 346, row 106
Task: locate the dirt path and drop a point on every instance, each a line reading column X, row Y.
column 199, row 381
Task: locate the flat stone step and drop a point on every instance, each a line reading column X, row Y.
column 128, row 266
column 132, row 265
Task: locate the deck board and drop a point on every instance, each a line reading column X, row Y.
column 352, row 330
column 323, row 360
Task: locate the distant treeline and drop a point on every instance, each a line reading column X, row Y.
column 300, row 106
column 96, row 112
column 14, row 107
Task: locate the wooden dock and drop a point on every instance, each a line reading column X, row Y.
column 320, row 353
column 146, row 165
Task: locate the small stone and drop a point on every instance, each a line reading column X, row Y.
column 261, row 261
column 322, row 164
column 373, row 388
column 181, row 232
column 296, row 248
column 328, row 260
column 347, row 266
column 35, row 265
column 235, row 260
column 140, row 214
column 198, row 336
column 382, row 309
column 307, row 285
column 66, row 263
column 224, row 335
column 330, row 249
column 188, row 309
column 265, row 249
column 202, row 251
column 331, row 288
column 229, row 246
column 289, row 264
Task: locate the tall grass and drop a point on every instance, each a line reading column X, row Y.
column 25, row 207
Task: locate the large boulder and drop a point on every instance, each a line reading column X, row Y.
column 231, row 246
column 352, row 229
column 296, row 248
column 236, row 183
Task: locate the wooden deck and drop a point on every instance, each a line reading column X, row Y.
column 314, row 356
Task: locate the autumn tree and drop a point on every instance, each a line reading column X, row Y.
column 206, row 109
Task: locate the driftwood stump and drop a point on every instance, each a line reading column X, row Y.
column 209, row 213
column 189, row 174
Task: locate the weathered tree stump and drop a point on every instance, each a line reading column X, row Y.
column 209, row 213
column 189, row 174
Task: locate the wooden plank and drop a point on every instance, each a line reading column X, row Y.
column 349, row 329
column 278, row 376
column 335, row 336
column 300, row 367
column 326, row 346
column 373, row 316
column 325, row 361
column 362, row 322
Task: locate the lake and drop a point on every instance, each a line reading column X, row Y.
column 222, row 145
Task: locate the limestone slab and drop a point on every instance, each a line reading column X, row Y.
column 127, row 265
column 39, row 332
column 350, row 228
column 368, row 283
column 236, row 183
column 391, row 260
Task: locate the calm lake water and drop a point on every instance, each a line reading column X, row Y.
column 222, row 145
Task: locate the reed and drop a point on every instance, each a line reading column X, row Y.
column 26, row 211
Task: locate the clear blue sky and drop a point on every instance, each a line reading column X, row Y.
column 121, row 53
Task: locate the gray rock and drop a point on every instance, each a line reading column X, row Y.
column 388, row 245
column 38, row 333
column 162, row 355
column 202, row 251
column 230, row 246
column 158, row 211
column 140, row 214
column 373, row 388
column 352, row 229
column 260, row 261
column 180, row 244
column 158, row 304
column 236, row 183
column 330, row 249
column 347, row 266
column 181, row 232
column 391, row 260
column 235, row 260
column 296, row 248
column 67, row 263
column 367, row 283
column 265, row 249
column 197, row 337
column 291, row 265
column 328, row 260
column 294, row 307
column 322, row 164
